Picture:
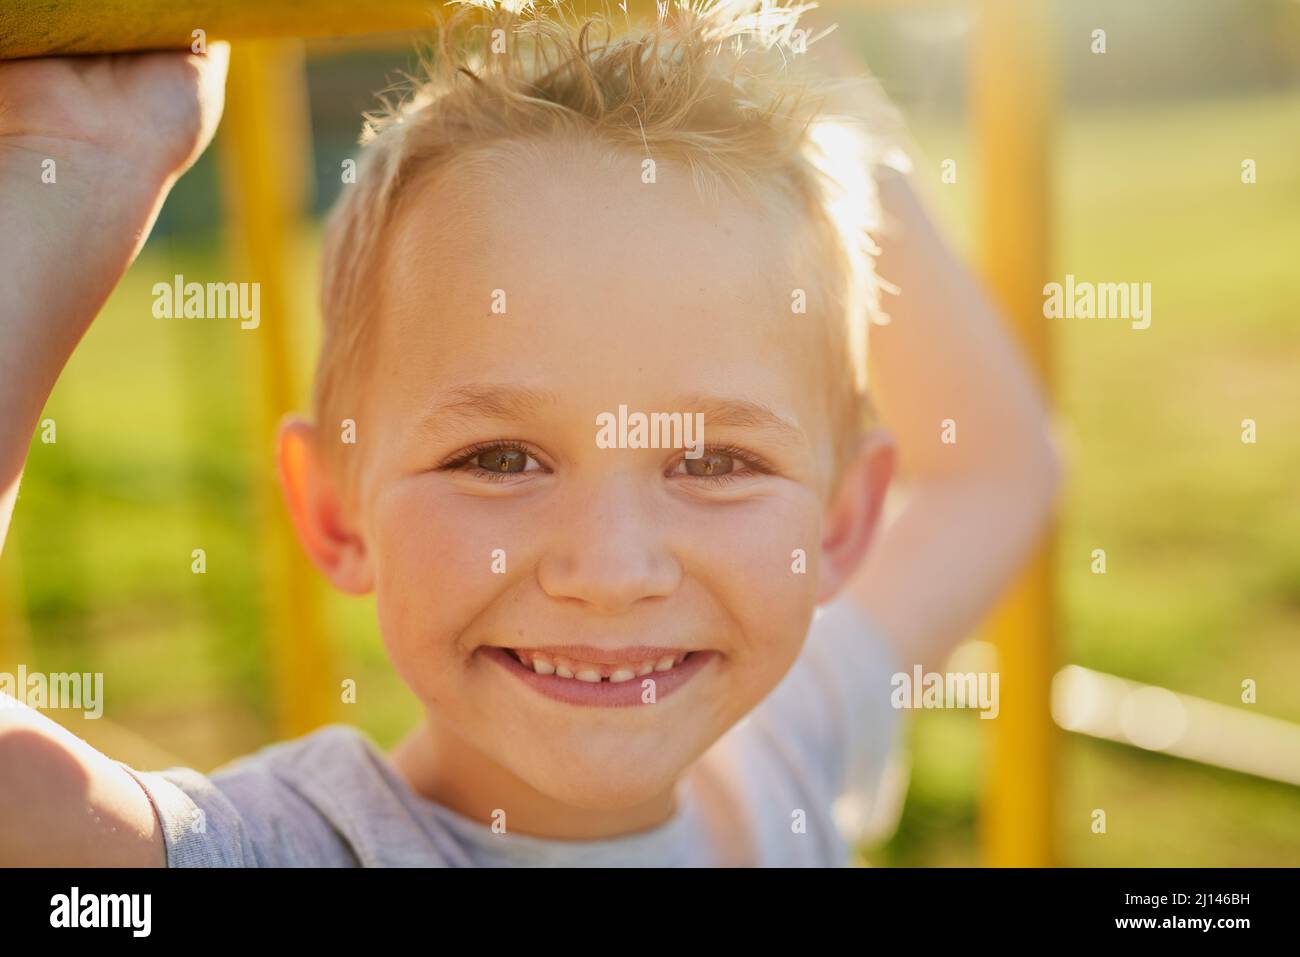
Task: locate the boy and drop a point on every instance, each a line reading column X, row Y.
column 606, row 627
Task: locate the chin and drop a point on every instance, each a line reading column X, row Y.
column 606, row 788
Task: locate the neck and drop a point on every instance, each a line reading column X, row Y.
column 441, row 766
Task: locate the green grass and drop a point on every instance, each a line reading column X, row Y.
column 1202, row 533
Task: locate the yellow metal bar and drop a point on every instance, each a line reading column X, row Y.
column 14, row 641
column 56, row 27
column 1012, row 98
column 264, row 143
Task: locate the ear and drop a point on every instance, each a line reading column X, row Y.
column 325, row 525
column 854, row 510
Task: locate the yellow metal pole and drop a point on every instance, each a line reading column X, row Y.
column 13, row 629
column 1012, row 99
column 56, row 27
column 265, row 151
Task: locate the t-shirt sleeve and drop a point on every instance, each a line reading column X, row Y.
column 832, row 726
column 252, row 819
column 855, row 665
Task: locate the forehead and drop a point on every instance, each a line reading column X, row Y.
column 552, row 216
column 561, row 256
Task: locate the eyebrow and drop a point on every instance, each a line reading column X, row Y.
column 728, row 412
column 513, row 403
column 475, row 401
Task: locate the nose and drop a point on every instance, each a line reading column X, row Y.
column 610, row 553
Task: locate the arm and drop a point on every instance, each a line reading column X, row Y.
column 64, row 804
column 120, row 131
column 975, row 508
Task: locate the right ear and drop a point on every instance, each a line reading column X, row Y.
column 328, row 531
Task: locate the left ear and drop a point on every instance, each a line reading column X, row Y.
column 854, row 509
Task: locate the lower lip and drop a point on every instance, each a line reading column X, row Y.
column 603, row 694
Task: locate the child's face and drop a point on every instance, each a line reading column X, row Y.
column 615, row 293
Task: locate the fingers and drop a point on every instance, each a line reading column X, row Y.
column 213, row 67
column 215, row 62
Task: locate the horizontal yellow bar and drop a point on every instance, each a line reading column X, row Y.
column 58, row 27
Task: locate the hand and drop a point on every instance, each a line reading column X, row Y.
column 156, row 111
column 89, row 147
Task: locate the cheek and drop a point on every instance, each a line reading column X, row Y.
column 433, row 560
column 760, row 560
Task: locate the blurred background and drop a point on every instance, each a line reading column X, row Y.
column 163, row 436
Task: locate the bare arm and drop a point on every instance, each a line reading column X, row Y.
column 89, row 149
column 64, row 804
column 975, row 508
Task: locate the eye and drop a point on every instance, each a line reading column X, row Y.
column 502, row 460
column 710, row 463
column 494, row 460
column 721, row 464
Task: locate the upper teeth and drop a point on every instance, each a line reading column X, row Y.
column 544, row 664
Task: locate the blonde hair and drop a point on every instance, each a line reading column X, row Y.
column 712, row 84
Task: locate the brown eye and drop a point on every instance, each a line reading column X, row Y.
column 502, row 460
column 710, row 463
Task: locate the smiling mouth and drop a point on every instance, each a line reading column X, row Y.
column 636, row 664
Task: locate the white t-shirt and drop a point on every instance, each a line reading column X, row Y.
column 811, row 767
